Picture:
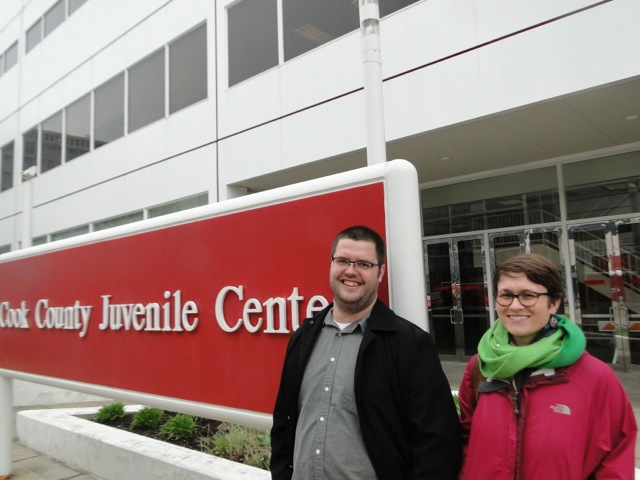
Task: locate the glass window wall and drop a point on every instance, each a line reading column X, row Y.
column 252, row 38
column 30, row 148
column 183, row 204
column 603, row 187
column 10, row 57
column 492, row 203
column 34, row 35
column 7, row 167
column 78, row 128
column 51, row 142
column 188, row 69
column 70, row 232
column 307, row 24
column 116, row 221
column 109, row 111
column 75, row 4
column 146, row 91
column 54, row 17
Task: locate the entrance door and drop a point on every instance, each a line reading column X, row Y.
column 605, row 263
column 458, row 306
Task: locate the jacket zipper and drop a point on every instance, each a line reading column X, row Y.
column 515, row 397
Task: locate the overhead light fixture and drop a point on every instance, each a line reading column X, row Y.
column 444, row 159
column 632, row 117
column 313, row 34
column 617, row 187
column 510, row 202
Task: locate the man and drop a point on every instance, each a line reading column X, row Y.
column 362, row 394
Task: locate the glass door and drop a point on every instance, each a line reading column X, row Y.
column 605, row 265
column 457, row 288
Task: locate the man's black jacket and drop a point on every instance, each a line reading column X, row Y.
column 407, row 415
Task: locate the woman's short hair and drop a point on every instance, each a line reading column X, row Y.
column 537, row 268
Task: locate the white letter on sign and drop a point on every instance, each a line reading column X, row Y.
column 220, row 308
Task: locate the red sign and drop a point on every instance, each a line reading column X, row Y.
column 200, row 311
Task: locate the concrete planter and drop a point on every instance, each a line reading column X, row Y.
column 113, row 454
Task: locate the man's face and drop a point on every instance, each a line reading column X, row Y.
column 355, row 290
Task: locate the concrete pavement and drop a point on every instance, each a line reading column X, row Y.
column 31, row 465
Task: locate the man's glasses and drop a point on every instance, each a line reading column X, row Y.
column 358, row 264
column 526, row 299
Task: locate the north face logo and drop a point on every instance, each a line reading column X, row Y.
column 559, row 408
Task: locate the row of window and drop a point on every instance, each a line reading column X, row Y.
column 598, row 188
column 168, row 80
column 50, row 21
column 254, row 41
column 157, row 211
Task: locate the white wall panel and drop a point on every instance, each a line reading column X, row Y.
column 176, row 178
column 571, row 54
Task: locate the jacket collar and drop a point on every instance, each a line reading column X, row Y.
column 380, row 320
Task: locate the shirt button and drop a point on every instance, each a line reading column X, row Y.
column 333, row 359
column 322, row 419
column 318, row 452
column 326, row 389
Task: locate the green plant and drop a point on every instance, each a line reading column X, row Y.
column 109, row 413
column 178, row 427
column 247, row 445
column 147, row 418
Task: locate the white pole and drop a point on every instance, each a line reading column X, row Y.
column 27, row 184
column 372, row 69
column 6, row 425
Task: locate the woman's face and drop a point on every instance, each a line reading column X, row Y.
column 523, row 323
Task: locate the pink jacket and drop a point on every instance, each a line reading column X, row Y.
column 574, row 423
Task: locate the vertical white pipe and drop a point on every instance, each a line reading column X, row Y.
column 27, row 208
column 6, row 425
column 372, row 70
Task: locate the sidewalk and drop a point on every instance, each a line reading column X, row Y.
column 31, row 465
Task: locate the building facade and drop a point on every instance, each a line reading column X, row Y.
column 521, row 118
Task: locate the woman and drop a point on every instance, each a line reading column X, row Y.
column 533, row 403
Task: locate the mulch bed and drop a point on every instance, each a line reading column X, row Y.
column 206, row 428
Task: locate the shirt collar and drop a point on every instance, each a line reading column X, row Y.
column 329, row 321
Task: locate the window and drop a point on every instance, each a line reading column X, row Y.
column 308, row 24
column 146, row 91
column 70, row 232
column 51, row 142
column 109, row 111
column 30, row 148
column 34, row 35
column 75, row 4
column 603, row 187
column 41, row 240
column 389, row 6
column 116, row 221
column 491, row 203
column 54, row 17
column 188, row 69
column 7, row 167
column 179, row 205
column 10, row 57
column 253, row 38
column 77, row 128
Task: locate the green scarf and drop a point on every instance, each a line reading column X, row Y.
column 500, row 359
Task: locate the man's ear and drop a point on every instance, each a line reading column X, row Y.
column 383, row 269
